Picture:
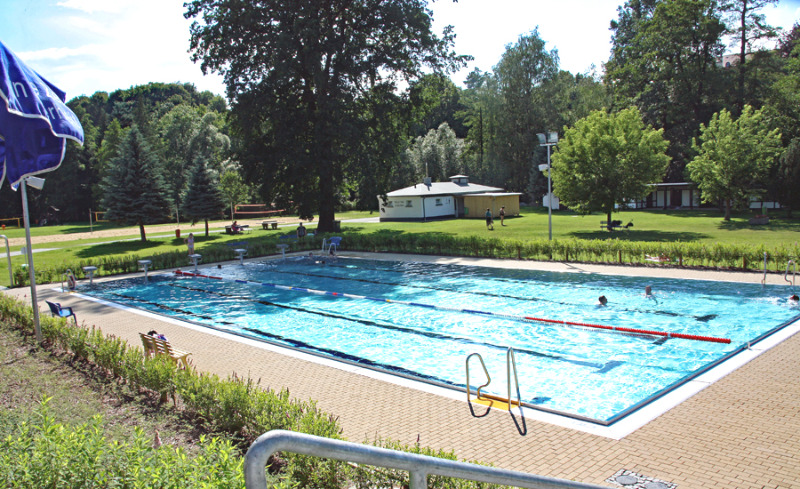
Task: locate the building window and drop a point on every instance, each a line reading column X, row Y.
column 438, row 201
column 408, row 204
column 389, row 204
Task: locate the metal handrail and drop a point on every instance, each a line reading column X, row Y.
column 764, row 278
column 8, row 252
column 511, row 361
column 488, row 378
column 418, row 466
column 794, row 273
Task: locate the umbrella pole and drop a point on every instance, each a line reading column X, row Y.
column 34, row 300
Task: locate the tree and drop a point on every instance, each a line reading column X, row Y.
column 734, row 156
column 202, row 198
column 294, row 73
column 522, row 70
column 437, row 155
column 608, row 159
column 747, row 26
column 789, row 177
column 134, row 192
column 663, row 61
column 233, row 189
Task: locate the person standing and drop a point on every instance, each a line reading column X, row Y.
column 502, row 216
column 190, row 243
column 489, row 220
column 301, row 232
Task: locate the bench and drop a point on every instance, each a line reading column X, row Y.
column 243, row 227
column 155, row 346
column 612, row 225
column 267, row 224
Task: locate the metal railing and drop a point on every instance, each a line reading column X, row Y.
column 418, row 466
column 793, row 265
column 511, row 364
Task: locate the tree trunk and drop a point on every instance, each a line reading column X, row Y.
column 608, row 220
column 727, row 209
column 206, row 228
column 141, row 231
column 326, row 199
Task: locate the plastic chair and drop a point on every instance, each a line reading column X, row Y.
column 331, row 244
column 62, row 312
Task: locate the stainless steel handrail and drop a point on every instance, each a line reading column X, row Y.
column 418, row 466
column 488, row 378
column 511, row 361
column 8, row 252
column 794, row 273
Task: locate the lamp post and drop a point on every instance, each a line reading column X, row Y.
column 548, row 139
column 36, row 183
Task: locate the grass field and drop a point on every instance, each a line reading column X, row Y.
column 702, row 226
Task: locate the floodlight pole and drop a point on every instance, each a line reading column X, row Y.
column 549, row 139
column 34, row 301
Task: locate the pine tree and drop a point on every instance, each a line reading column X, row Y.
column 134, row 191
column 202, row 198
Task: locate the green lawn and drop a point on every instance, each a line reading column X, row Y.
column 702, row 226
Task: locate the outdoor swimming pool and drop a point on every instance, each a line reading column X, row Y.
column 436, row 315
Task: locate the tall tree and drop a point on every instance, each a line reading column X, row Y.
column 664, row 61
column 608, row 159
column 294, row 72
column 734, row 156
column 789, row 177
column 202, row 199
column 747, row 26
column 437, row 155
column 134, row 191
column 522, row 70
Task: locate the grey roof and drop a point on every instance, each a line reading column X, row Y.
column 442, row 188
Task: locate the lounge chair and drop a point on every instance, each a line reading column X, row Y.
column 57, row 310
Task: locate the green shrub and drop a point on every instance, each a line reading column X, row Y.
column 42, row 453
column 236, row 405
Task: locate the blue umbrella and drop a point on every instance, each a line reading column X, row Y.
column 35, row 124
column 34, row 121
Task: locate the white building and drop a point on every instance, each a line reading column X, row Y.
column 440, row 200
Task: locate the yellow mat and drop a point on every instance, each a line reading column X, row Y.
column 494, row 402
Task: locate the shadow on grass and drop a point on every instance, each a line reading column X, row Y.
column 137, row 246
column 647, row 235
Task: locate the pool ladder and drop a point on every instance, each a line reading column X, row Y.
column 511, row 365
column 790, row 264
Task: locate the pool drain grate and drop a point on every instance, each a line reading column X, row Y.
column 631, row 480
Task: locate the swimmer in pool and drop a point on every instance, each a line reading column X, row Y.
column 602, row 301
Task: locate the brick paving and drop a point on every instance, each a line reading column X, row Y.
column 742, row 431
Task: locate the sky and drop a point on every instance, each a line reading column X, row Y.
column 85, row 46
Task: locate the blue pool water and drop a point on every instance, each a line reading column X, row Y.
column 578, row 371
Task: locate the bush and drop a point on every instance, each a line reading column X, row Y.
column 39, row 452
column 236, row 405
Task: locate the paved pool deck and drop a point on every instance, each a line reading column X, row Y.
column 736, row 429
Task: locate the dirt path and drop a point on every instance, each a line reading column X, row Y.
column 151, row 230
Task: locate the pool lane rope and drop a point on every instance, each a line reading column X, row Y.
column 610, row 329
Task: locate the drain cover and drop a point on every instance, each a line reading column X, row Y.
column 627, row 480
column 656, row 485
